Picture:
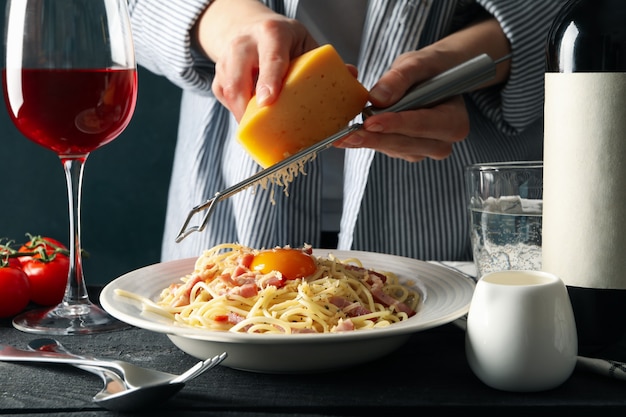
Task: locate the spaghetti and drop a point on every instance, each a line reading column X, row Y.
column 283, row 290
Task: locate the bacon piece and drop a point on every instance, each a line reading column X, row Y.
column 339, row 301
column 302, row 331
column 376, row 282
column 231, row 318
column 344, row 326
column 246, row 260
column 245, row 290
column 238, row 280
column 345, row 305
column 388, row 301
column 240, row 270
column 275, row 280
column 235, row 318
column 184, row 297
column 246, row 279
column 368, row 274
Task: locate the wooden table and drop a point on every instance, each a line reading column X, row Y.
column 428, row 376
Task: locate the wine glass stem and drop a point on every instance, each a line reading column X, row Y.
column 76, row 290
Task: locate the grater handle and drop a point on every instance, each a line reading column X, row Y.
column 457, row 80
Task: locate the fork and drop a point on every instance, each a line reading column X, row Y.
column 127, row 386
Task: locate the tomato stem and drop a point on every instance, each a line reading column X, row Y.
column 38, row 247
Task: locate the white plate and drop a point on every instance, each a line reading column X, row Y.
column 447, row 297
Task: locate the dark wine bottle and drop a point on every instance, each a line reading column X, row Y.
column 584, row 213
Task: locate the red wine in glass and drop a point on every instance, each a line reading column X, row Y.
column 70, row 85
column 98, row 107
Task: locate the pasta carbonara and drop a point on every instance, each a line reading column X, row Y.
column 283, row 290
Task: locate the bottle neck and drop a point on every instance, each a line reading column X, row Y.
column 588, row 36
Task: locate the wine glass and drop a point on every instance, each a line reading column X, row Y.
column 70, row 85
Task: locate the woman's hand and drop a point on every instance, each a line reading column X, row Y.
column 414, row 135
column 252, row 47
column 427, row 133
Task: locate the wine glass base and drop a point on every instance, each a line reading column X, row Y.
column 68, row 319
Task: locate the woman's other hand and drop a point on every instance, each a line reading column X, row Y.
column 431, row 132
column 252, row 47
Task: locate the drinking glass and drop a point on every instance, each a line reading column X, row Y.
column 505, row 205
column 70, row 85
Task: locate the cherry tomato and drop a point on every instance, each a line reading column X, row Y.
column 14, row 291
column 291, row 263
column 48, row 279
column 15, row 263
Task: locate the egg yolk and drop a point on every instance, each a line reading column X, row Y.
column 291, row 263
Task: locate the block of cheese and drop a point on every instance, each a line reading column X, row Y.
column 319, row 97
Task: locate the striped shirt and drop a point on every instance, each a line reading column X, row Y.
column 391, row 206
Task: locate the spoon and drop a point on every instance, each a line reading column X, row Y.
column 139, row 387
column 127, row 387
column 117, row 394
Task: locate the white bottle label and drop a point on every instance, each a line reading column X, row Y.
column 584, row 204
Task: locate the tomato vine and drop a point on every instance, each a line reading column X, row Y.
column 44, row 250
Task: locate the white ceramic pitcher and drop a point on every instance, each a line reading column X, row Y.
column 521, row 334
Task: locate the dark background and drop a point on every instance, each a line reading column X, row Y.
column 124, row 186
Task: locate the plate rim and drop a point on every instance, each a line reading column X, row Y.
column 107, row 300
